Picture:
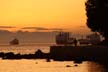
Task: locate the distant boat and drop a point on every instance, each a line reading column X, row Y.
column 15, row 41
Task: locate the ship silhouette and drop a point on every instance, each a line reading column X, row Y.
column 15, row 41
column 93, row 39
column 63, row 38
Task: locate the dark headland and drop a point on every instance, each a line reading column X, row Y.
column 79, row 53
column 66, row 53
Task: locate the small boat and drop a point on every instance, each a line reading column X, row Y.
column 15, row 41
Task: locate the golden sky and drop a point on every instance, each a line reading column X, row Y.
column 66, row 14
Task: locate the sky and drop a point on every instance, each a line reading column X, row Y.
column 67, row 15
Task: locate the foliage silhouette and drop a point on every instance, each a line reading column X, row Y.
column 97, row 17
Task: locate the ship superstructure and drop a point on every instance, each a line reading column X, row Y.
column 63, row 38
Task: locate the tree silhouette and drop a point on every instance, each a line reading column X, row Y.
column 97, row 17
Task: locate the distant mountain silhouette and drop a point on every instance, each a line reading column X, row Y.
column 27, row 37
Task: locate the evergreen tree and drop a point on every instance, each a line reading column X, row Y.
column 97, row 17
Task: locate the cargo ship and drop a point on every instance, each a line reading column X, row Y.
column 92, row 39
column 64, row 38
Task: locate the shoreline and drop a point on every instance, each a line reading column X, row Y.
column 65, row 53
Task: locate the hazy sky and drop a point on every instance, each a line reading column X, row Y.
column 65, row 14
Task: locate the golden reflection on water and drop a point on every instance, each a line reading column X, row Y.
column 95, row 67
column 43, row 66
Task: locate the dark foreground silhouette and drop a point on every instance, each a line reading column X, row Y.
column 66, row 53
column 97, row 13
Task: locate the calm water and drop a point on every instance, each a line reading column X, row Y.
column 43, row 66
column 24, row 49
column 37, row 65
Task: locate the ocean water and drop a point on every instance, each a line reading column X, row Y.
column 25, row 49
column 43, row 66
column 40, row 65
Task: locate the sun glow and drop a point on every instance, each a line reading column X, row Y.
column 66, row 14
